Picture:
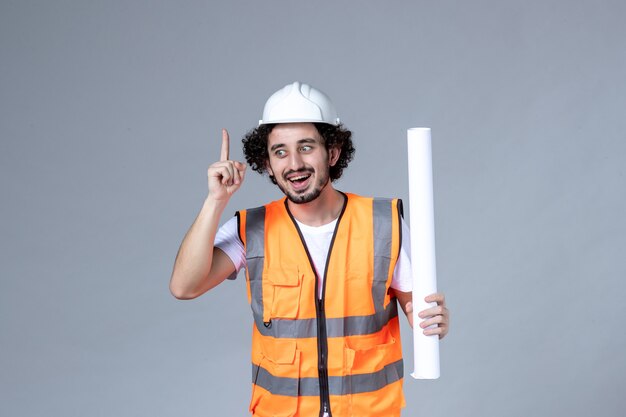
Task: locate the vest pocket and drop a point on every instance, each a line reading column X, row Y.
column 276, row 384
column 374, row 384
column 365, row 358
column 285, row 287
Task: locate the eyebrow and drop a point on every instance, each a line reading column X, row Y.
column 300, row 142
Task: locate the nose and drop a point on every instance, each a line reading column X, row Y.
column 295, row 161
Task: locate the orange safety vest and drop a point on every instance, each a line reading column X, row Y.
column 341, row 353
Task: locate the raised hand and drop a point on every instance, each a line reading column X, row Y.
column 225, row 176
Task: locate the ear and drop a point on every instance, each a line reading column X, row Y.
column 333, row 156
column 268, row 168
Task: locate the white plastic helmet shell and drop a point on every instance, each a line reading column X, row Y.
column 297, row 103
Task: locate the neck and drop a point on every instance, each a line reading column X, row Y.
column 323, row 210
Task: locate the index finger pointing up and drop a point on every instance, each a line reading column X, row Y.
column 225, row 145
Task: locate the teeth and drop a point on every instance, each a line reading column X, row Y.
column 299, row 178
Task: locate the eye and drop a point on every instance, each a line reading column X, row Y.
column 306, row 148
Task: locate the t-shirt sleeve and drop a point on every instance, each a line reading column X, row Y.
column 402, row 279
column 227, row 239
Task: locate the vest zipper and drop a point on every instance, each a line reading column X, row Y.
column 322, row 355
column 322, row 341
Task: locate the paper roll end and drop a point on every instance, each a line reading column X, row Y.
column 415, row 375
column 418, row 132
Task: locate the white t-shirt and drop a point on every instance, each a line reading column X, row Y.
column 318, row 242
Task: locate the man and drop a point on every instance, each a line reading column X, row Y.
column 323, row 268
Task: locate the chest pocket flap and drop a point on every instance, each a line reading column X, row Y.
column 284, row 289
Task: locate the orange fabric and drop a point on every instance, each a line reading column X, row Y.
column 289, row 292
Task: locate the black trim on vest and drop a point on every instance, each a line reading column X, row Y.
column 401, row 213
column 400, row 208
column 238, row 216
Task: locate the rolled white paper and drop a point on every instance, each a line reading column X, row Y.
column 425, row 348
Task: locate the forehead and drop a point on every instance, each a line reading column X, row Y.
column 288, row 133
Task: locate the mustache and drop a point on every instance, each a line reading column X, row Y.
column 300, row 172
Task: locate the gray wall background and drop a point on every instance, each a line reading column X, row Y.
column 111, row 113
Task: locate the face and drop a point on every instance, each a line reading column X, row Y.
column 299, row 161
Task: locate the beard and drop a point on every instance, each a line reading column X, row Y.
column 306, row 196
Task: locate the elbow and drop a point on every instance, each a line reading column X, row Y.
column 181, row 292
column 182, row 295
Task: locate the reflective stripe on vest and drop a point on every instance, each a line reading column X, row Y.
column 339, row 385
column 255, row 253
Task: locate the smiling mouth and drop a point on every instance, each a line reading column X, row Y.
column 299, row 179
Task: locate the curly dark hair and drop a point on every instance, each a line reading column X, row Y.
column 255, row 147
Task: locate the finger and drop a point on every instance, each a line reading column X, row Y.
column 220, row 168
column 229, row 178
column 438, row 298
column 236, row 177
column 222, row 172
column 237, row 174
column 240, row 171
column 433, row 311
column 433, row 320
column 441, row 331
column 225, row 145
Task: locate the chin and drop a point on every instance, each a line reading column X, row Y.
column 303, row 198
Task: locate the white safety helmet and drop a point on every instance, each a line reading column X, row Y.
column 296, row 103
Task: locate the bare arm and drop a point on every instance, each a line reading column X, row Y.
column 405, row 299
column 199, row 266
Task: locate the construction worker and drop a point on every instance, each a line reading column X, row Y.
column 325, row 270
